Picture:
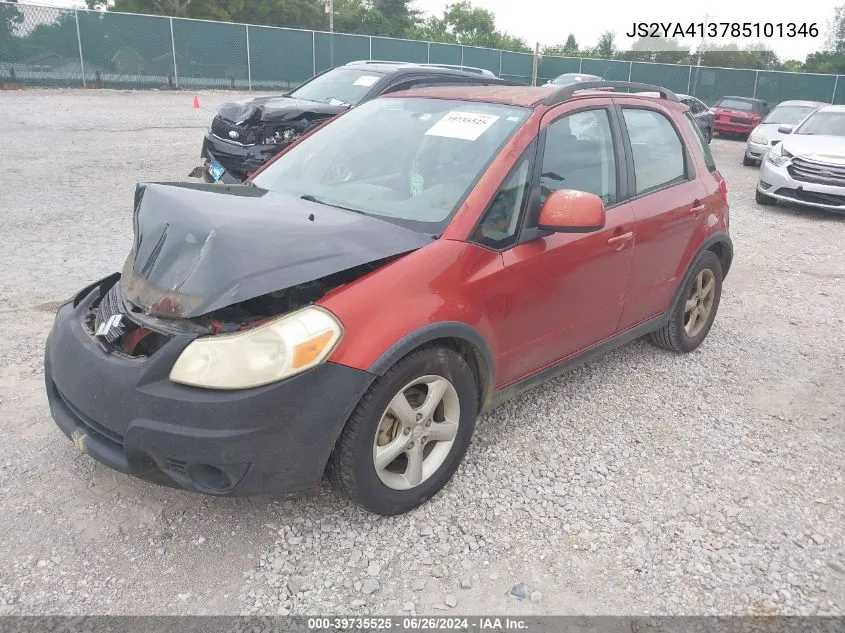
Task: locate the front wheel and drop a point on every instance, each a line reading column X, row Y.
column 692, row 317
column 408, row 434
column 748, row 162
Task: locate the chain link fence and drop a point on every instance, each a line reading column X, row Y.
column 48, row 46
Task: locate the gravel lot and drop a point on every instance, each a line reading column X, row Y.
column 643, row 482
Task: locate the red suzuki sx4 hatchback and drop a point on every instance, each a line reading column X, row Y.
column 352, row 308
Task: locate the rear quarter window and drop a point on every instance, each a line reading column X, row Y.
column 702, row 142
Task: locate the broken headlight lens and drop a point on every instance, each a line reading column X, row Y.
column 283, row 135
column 267, row 353
column 778, row 156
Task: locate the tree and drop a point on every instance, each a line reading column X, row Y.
column 303, row 14
column 656, row 49
column 569, row 49
column 835, row 40
column 462, row 23
column 606, row 47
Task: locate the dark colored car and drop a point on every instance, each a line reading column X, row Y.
column 247, row 133
column 419, row 260
column 738, row 116
column 567, row 79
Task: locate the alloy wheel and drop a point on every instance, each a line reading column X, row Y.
column 699, row 303
column 416, row 432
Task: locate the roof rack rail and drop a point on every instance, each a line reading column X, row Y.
column 378, row 61
column 564, row 93
column 469, row 69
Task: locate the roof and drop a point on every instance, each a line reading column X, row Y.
column 799, row 102
column 389, row 67
column 524, row 96
column 832, row 108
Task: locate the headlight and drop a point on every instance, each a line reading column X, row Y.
column 778, row 156
column 758, row 139
column 266, row 353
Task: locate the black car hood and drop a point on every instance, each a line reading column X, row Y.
column 276, row 109
column 201, row 247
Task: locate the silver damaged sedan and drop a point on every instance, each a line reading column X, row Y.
column 808, row 166
column 777, row 124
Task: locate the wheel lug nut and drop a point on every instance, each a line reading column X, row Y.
column 407, row 431
column 411, row 445
column 419, row 417
column 427, row 424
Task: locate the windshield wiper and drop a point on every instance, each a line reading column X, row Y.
column 311, row 198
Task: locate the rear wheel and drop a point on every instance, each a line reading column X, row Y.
column 408, row 434
column 763, row 199
column 692, row 317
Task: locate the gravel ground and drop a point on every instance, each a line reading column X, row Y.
column 643, row 482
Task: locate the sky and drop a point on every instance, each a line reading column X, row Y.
column 549, row 22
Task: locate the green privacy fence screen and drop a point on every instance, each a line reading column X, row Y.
column 42, row 45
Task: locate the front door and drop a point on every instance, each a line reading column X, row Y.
column 565, row 291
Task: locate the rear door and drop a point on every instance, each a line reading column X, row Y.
column 668, row 205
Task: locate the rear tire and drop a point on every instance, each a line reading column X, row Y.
column 692, row 316
column 763, row 199
column 419, row 436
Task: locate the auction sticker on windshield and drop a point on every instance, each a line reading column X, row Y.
column 467, row 126
column 366, row 80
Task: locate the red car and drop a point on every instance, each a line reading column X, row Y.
column 738, row 116
column 392, row 274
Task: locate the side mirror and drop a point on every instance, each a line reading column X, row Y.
column 571, row 211
column 785, row 129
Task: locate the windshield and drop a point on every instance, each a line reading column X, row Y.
column 341, row 86
column 788, row 115
column 736, row 104
column 409, row 161
column 827, row 123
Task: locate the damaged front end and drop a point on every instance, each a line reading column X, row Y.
column 211, row 259
column 246, row 134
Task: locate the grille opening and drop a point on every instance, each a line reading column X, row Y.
column 129, row 338
column 221, row 128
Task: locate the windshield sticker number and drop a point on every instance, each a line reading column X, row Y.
column 467, row 126
column 366, row 80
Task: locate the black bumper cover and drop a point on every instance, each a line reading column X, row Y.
column 239, row 161
column 126, row 413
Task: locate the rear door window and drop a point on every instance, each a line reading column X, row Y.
column 658, row 152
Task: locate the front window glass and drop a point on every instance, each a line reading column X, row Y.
column 788, row 115
column 341, row 86
column 829, row 123
column 410, row 161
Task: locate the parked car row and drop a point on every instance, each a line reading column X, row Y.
column 393, row 271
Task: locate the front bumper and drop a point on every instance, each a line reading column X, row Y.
column 756, row 151
column 734, row 128
column 777, row 183
column 238, row 160
column 126, row 413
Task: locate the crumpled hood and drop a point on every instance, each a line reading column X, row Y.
column 275, row 109
column 824, row 149
column 201, row 247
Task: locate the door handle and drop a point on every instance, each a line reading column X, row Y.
column 697, row 208
column 620, row 239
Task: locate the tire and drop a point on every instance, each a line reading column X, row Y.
column 763, row 199
column 352, row 466
column 748, row 162
column 675, row 335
